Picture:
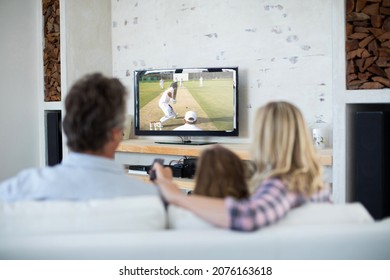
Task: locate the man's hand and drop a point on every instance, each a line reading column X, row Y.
column 168, row 189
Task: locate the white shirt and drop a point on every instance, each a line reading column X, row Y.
column 165, row 97
column 187, row 126
column 79, row 176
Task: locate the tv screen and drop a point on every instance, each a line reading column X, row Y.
column 186, row 102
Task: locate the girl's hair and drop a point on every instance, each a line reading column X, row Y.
column 283, row 148
column 220, row 173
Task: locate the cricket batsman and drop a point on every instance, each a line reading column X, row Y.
column 167, row 96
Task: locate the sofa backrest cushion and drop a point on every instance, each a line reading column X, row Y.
column 180, row 218
column 308, row 214
column 327, row 213
column 105, row 215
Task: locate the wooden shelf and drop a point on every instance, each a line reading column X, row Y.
column 139, row 146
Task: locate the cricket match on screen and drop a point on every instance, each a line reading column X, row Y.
column 190, row 100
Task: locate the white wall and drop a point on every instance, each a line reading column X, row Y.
column 20, row 90
column 88, row 38
column 85, row 43
column 283, row 49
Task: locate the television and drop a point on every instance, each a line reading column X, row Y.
column 186, row 102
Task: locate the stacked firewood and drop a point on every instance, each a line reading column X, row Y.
column 368, row 44
column 51, row 53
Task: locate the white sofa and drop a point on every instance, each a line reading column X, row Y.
column 140, row 228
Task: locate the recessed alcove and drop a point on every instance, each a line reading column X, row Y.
column 51, row 50
column 368, row 156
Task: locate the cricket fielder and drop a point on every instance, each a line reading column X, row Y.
column 162, row 83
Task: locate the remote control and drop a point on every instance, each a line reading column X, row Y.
column 152, row 172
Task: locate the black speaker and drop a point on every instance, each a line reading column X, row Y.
column 53, row 138
column 371, row 153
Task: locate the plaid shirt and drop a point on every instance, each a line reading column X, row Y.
column 271, row 202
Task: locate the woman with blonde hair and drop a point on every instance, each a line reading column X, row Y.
column 287, row 175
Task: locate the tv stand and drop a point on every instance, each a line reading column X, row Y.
column 143, row 152
column 139, row 151
column 186, row 140
column 196, row 143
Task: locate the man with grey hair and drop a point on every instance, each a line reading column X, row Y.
column 94, row 121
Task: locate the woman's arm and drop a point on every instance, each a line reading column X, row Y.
column 266, row 206
column 210, row 209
